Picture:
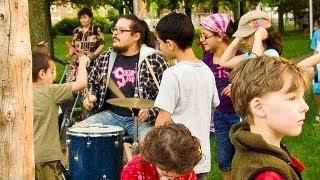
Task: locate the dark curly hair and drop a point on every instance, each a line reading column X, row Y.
column 172, row 148
column 85, row 11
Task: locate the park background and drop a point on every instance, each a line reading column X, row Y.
column 16, row 158
column 296, row 47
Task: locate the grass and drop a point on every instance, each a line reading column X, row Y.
column 305, row 147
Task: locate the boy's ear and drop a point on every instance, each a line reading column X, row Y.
column 256, row 107
column 41, row 75
column 171, row 44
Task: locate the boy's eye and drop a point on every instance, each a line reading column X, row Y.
column 292, row 98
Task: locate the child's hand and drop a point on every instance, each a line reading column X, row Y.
column 261, row 34
column 226, row 91
column 83, row 60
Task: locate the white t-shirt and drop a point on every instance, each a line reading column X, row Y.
column 188, row 92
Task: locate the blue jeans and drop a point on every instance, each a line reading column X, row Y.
column 225, row 150
column 109, row 118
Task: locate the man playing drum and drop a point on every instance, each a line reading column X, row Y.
column 126, row 64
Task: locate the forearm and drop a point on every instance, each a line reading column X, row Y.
column 163, row 118
column 82, row 78
column 257, row 48
column 228, row 58
column 310, row 61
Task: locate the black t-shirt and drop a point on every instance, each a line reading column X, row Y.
column 124, row 75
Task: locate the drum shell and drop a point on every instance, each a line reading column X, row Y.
column 95, row 156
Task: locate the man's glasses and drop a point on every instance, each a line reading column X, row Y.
column 119, row 30
column 205, row 37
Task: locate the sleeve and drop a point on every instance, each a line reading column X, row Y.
column 314, row 40
column 61, row 92
column 160, row 66
column 268, row 174
column 215, row 98
column 100, row 37
column 74, row 34
column 167, row 98
column 271, row 52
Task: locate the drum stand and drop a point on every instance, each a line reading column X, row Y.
column 135, row 145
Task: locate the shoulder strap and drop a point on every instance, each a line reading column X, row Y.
column 152, row 73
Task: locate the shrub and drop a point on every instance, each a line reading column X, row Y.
column 65, row 26
column 102, row 22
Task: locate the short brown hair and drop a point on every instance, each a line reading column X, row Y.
column 39, row 61
column 171, row 148
column 41, row 47
column 259, row 76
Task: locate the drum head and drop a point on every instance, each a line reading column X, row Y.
column 96, row 131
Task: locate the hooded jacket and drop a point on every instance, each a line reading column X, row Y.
column 254, row 155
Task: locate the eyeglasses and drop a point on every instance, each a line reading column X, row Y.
column 119, row 30
column 205, row 37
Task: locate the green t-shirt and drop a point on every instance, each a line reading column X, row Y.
column 46, row 101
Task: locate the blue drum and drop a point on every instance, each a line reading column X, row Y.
column 95, row 152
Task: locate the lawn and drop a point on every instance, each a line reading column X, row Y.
column 305, row 147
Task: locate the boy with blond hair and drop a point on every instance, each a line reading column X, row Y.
column 268, row 94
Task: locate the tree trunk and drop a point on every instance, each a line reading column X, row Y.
column 39, row 11
column 280, row 19
column 215, row 6
column 16, row 122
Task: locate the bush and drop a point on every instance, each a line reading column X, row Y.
column 113, row 16
column 65, row 27
column 102, row 22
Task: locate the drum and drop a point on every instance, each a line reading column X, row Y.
column 95, row 152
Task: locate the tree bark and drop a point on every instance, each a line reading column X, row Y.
column 40, row 22
column 280, row 19
column 16, row 121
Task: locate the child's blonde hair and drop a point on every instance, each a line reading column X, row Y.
column 259, row 76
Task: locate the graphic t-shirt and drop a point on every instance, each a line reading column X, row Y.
column 222, row 81
column 124, row 75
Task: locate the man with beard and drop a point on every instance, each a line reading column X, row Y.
column 126, row 64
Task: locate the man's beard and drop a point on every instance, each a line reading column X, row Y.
column 120, row 50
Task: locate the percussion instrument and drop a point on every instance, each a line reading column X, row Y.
column 95, row 152
column 135, row 104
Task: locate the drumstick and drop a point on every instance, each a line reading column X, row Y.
column 73, row 49
column 114, row 88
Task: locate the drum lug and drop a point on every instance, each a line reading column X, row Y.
column 116, row 144
column 88, row 144
column 67, row 142
column 76, row 157
column 104, row 177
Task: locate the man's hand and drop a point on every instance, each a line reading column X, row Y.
column 143, row 115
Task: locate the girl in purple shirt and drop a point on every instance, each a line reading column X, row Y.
column 215, row 32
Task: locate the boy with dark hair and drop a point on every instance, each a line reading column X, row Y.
column 268, row 94
column 46, row 100
column 187, row 91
